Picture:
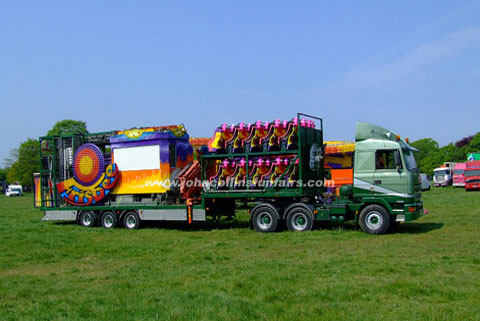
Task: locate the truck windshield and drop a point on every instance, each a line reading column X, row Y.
column 440, row 172
column 470, row 173
column 410, row 160
column 458, row 172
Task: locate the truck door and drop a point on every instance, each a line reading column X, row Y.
column 364, row 170
column 390, row 175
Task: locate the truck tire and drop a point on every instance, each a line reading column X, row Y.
column 374, row 219
column 109, row 219
column 299, row 219
column 265, row 219
column 131, row 221
column 87, row 218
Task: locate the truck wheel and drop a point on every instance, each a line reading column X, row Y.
column 109, row 219
column 87, row 218
column 131, row 221
column 299, row 219
column 374, row 219
column 265, row 219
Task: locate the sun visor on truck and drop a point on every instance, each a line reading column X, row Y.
column 366, row 131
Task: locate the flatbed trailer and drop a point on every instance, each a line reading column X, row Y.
column 96, row 179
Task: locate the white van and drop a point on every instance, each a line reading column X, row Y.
column 14, row 190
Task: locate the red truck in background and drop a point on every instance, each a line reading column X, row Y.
column 472, row 175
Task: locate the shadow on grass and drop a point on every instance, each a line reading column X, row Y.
column 197, row 226
column 181, row 226
column 223, row 224
column 417, row 228
column 65, row 223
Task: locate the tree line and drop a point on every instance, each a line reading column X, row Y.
column 23, row 161
column 431, row 156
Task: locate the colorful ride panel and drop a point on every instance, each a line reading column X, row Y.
column 257, row 137
column 142, row 162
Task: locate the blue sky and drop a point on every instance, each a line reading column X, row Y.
column 411, row 66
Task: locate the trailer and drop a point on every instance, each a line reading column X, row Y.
column 275, row 170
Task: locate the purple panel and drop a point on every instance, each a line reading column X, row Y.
column 146, row 136
column 183, row 150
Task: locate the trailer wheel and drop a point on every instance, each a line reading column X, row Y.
column 87, row 218
column 299, row 219
column 265, row 219
column 131, row 221
column 109, row 219
column 374, row 219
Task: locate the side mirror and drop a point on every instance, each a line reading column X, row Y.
column 397, row 160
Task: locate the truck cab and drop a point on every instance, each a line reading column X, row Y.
column 385, row 175
column 442, row 176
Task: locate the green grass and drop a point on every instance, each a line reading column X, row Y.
column 428, row 269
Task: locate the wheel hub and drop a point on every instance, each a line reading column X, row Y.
column 264, row 220
column 108, row 221
column 87, row 219
column 374, row 220
column 299, row 221
column 131, row 221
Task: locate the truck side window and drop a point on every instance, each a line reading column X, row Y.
column 172, row 155
column 385, row 159
column 364, row 160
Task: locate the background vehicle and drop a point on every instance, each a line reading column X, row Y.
column 472, row 175
column 425, row 182
column 275, row 169
column 459, row 175
column 450, row 165
column 442, row 176
column 14, row 190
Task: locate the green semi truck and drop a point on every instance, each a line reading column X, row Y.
column 275, row 170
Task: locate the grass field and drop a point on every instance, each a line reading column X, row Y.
column 429, row 269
